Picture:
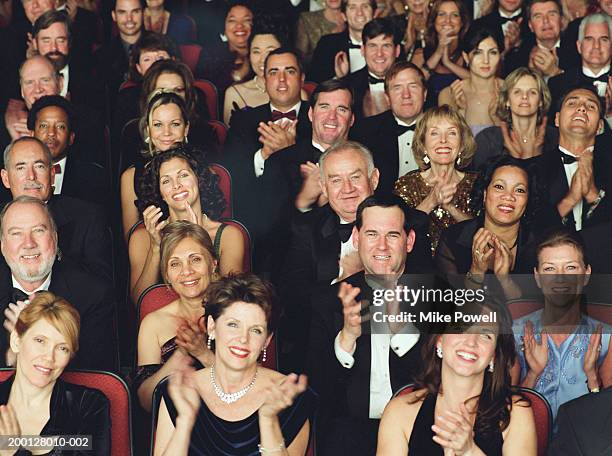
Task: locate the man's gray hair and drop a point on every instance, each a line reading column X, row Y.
column 597, row 18
column 341, row 146
column 8, row 149
column 26, row 199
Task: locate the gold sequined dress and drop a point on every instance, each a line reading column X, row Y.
column 413, row 189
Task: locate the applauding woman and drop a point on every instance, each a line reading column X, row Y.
column 38, row 402
column 463, row 403
column 236, row 406
column 443, row 144
column 188, row 261
column 179, row 186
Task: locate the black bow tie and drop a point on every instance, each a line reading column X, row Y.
column 19, row 295
column 345, row 230
column 401, row 129
column 375, row 80
column 567, row 159
column 353, row 46
column 503, row 20
column 600, row 78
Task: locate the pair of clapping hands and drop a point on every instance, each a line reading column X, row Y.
column 276, row 135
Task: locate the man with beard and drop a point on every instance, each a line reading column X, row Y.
column 82, row 227
column 52, row 38
column 29, row 244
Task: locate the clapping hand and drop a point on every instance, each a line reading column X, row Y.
column 276, row 136
column 592, row 355
column 281, row 394
column 458, row 93
column 482, row 251
column 351, row 310
column 9, row 425
column 536, row 353
column 608, row 97
column 152, row 220
column 503, row 258
column 311, row 188
column 12, row 314
column 191, row 337
column 184, row 393
column 512, row 34
column 454, row 432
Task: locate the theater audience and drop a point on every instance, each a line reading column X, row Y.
column 30, row 248
column 522, row 105
column 339, row 54
column 313, row 25
column 177, row 185
column 441, row 59
column 355, row 370
column 178, row 27
column 443, row 146
column 83, row 230
column 37, row 402
column 506, row 21
column 547, row 336
column 390, row 134
column 476, row 96
column 462, row 401
column 264, row 39
column 415, row 13
column 188, row 265
column 236, row 405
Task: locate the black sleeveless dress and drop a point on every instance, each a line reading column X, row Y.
column 422, row 444
column 212, row 436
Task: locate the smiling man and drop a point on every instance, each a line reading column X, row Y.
column 29, row 244
column 578, row 172
column 354, row 371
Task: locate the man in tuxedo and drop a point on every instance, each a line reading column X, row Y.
column 52, row 38
column 584, row 426
column 380, row 49
column 337, row 54
column 507, row 21
column 595, row 52
column 29, row 246
column 540, row 52
column 389, row 135
column 578, row 172
column 53, row 120
column 331, row 115
column 354, row 363
column 113, row 59
column 254, row 136
column 82, row 227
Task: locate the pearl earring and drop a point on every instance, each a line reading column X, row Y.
column 264, row 357
column 209, row 343
column 439, row 352
column 491, row 366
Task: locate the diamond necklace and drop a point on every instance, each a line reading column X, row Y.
column 229, row 398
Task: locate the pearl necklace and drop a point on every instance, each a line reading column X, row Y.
column 229, row 398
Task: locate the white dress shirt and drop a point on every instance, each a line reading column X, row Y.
column 43, row 287
column 379, row 86
column 259, row 163
column 356, row 60
column 599, row 85
column 407, row 162
column 59, row 177
column 65, row 72
column 505, row 25
column 570, row 170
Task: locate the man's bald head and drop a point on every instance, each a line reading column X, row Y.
column 37, row 78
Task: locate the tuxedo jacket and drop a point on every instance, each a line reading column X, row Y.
column 322, row 66
column 560, row 83
column 584, row 426
column 112, row 64
column 346, row 392
column 86, row 89
column 358, row 81
column 378, row 133
column 557, row 185
column 83, row 234
column 568, row 43
column 86, row 180
column 254, row 199
column 92, row 297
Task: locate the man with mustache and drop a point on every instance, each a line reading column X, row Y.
column 51, row 37
column 29, row 244
column 82, row 226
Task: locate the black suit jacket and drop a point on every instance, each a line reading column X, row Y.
column 112, row 65
column 358, row 81
column 378, row 133
column 323, row 58
column 87, row 181
column 254, row 201
column 83, row 234
column 345, row 393
column 92, row 297
column 86, row 89
column 584, row 426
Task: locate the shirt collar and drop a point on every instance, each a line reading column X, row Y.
column 404, row 124
column 587, row 72
column 43, row 287
column 295, row 107
column 557, row 45
column 510, row 16
column 565, row 151
column 316, row 145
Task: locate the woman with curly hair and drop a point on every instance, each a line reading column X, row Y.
column 501, row 239
column 463, row 403
column 178, row 185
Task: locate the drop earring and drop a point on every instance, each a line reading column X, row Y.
column 265, row 355
column 491, row 366
column 209, row 343
column 439, row 352
column 426, row 159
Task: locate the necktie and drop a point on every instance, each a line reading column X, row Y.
column 19, row 295
column 345, row 230
column 567, row 159
column 57, row 168
column 353, row 46
column 401, row 129
column 277, row 115
column 375, row 80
